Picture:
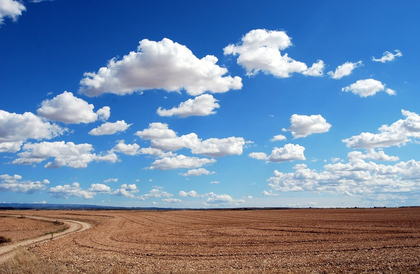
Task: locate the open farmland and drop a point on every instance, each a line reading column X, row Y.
column 248, row 241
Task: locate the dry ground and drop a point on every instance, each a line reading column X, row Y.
column 243, row 241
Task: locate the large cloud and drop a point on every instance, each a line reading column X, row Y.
column 165, row 139
column 288, row 153
column 202, row 105
column 260, row 51
column 73, row 190
column 159, row 65
column 356, row 177
column 387, row 56
column 15, row 184
column 213, row 199
column 344, row 70
column 302, row 125
column 17, row 128
column 10, row 8
column 69, row 109
column 180, row 161
column 214, row 147
column 110, row 128
column 64, row 154
column 367, row 87
column 399, row 133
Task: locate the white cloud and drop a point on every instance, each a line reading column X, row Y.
column 221, row 200
column 15, row 184
column 122, row 147
column 159, row 65
column 155, row 193
column 388, row 56
column 165, row 139
column 357, row 177
column 213, row 199
column 69, row 109
column 99, row 188
column 278, row 138
column 64, row 154
column 260, row 51
column 113, row 180
column 180, row 161
column 185, row 141
column 258, row 155
column 367, row 87
column 110, row 128
column 157, row 131
column 399, row 133
column 214, row 147
column 191, row 193
column 344, row 70
column 17, row 128
column 316, row 70
column 11, row 9
column 171, row 200
column 288, row 153
column 269, row 193
column 215, row 182
column 302, row 125
column 197, row 172
column 126, row 191
column 202, row 105
column 73, row 190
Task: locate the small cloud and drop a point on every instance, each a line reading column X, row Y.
column 344, row 70
column 388, row 56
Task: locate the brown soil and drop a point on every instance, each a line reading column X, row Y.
column 244, row 241
column 18, row 228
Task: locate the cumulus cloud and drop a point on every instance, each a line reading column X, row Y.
column 356, row 177
column 99, row 188
column 367, row 87
column 69, row 109
column 202, row 105
column 126, row 191
column 344, row 70
column 212, row 199
column 64, row 154
column 388, row 56
column 165, row 139
column 180, row 161
column 303, row 125
column 160, row 65
column 157, row 131
column 197, row 172
column 73, row 190
column 127, row 149
column 111, row 180
column 288, row 153
column 221, row 200
column 110, row 128
column 17, row 128
column 171, row 200
column 259, row 50
column 214, row 147
column 278, row 138
column 155, row 193
column 398, row 133
column 10, row 8
column 14, row 183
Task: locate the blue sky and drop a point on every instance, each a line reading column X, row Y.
column 210, row 103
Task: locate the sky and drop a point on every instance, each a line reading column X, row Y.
column 210, row 104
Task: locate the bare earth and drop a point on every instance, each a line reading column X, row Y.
column 38, row 229
column 243, row 241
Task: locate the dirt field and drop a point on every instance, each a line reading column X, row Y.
column 240, row 241
column 20, row 228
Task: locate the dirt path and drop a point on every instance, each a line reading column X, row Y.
column 6, row 252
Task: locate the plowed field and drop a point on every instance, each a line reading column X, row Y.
column 247, row 241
